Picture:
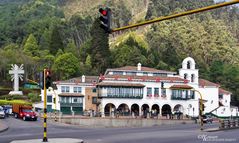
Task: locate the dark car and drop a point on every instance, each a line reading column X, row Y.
column 207, row 119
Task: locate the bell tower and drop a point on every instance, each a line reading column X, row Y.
column 188, row 70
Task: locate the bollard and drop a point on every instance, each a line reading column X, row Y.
column 60, row 116
column 222, row 124
column 148, row 115
column 113, row 114
column 73, row 114
column 133, row 116
column 225, row 124
column 91, row 113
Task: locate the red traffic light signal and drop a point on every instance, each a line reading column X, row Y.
column 105, row 19
column 103, row 12
column 48, row 78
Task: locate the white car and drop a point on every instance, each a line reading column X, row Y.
column 2, row 113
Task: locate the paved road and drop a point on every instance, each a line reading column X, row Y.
column 183, row 133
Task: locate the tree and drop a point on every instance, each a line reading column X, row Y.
column 31, row 47
column 99, row 49
column 56, row 42
column 67, row 65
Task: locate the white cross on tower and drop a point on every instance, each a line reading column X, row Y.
column 16, row 73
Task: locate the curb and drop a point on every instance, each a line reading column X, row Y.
column 5, row 127
column 216, row 130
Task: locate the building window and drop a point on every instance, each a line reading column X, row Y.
column 117, row 73
column 185, row 76
column 149, row 92
column 49, row 99
column 188, row 65
column 130, row 73
column 94, row 100
column 182, row 94
column 160, row 74
column 156, row 92
column 145, row 73
column 65, row 89
column 77, row 89
column 192, row 77
column 65, row 100
column 192, row 94
column 94, row 90
column 163, row 92
column 220, row 96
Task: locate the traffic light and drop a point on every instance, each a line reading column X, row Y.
column 105, row 17
column 203, row 107
column 162, row 84
column 48, row 79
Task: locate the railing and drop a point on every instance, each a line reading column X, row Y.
column 229, row 124
column 179, row 98
column 123, row 96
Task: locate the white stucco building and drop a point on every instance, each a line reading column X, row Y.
column 140, row 89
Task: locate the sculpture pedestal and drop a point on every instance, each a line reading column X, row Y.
column 15, row 93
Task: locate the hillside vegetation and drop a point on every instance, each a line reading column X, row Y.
column 64, row 35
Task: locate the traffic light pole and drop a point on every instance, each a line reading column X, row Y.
column 45, row 110
column 177, row 15
column 200, row 106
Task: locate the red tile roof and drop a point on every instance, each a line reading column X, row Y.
column 184, row 86
column 120, row 84
column 222, row 91
column 203, row 82
column 143, row 78
column 134, row 68
column 71, row 94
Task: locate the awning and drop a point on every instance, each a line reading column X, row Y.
column 184, row 86
column 120, row 84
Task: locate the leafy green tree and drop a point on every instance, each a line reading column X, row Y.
column 31, row 47
column 67, row 65
column 129, row 52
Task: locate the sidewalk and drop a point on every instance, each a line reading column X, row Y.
column 52, row 140
column 3, row 127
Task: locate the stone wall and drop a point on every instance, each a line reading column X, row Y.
column 119, row 122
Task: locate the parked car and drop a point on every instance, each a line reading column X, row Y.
column 207, row 119
column 2, row 113
column 24, row 112
column 7, row 109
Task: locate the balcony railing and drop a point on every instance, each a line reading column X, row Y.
column 123, row 96
column 179, row 98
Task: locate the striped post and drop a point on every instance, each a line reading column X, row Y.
column 45, row 110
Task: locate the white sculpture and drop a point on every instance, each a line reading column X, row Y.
column 16, row 73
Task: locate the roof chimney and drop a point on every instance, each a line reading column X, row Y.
column 139, row 67
column 83, row 78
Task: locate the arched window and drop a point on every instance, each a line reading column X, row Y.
column 188, row 65
column 192, row 77
column 185, row 76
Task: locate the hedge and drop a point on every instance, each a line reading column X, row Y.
column 10, row 102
